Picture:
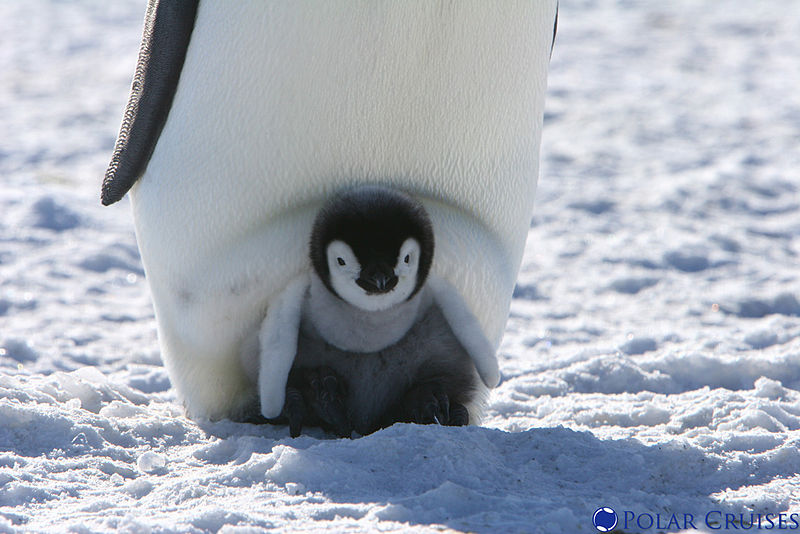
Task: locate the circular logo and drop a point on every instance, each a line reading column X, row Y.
column 604, row 519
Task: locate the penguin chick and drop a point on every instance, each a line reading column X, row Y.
column 373, row 348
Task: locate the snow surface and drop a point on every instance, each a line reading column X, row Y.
column 652, row 359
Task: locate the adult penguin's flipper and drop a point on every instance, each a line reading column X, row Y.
column 167, row 30
column 555, row 30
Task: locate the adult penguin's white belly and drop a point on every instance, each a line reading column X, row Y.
column 279, row 105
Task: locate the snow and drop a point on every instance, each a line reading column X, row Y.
column 651, row 363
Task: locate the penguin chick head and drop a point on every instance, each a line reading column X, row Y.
column 372, row 247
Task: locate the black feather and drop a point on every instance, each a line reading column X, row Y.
column 167, row 31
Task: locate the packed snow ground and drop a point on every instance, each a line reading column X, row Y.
column 651, row 362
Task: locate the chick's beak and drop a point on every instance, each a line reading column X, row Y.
column 377, row 279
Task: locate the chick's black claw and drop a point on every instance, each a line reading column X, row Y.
column 325, row 395
column 459, row 416
column 443, row 408
column 427, row 404
column 294, row 409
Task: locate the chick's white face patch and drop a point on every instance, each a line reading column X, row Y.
column 407, row 265
column 345, row 269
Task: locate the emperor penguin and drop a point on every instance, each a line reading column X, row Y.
column 244, row 117
column 375, row 346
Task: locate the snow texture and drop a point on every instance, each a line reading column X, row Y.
column 651, row 362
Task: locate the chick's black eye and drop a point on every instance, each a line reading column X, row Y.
column 407, row 258
column 340, row 261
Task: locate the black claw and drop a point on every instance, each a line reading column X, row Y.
column 430, row 412
column 314, row 397
column 426, row 404
column 294, row 409
column 459, row 416
column 326, row 397
column 443, row 404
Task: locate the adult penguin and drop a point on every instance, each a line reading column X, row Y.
column 244, row 117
